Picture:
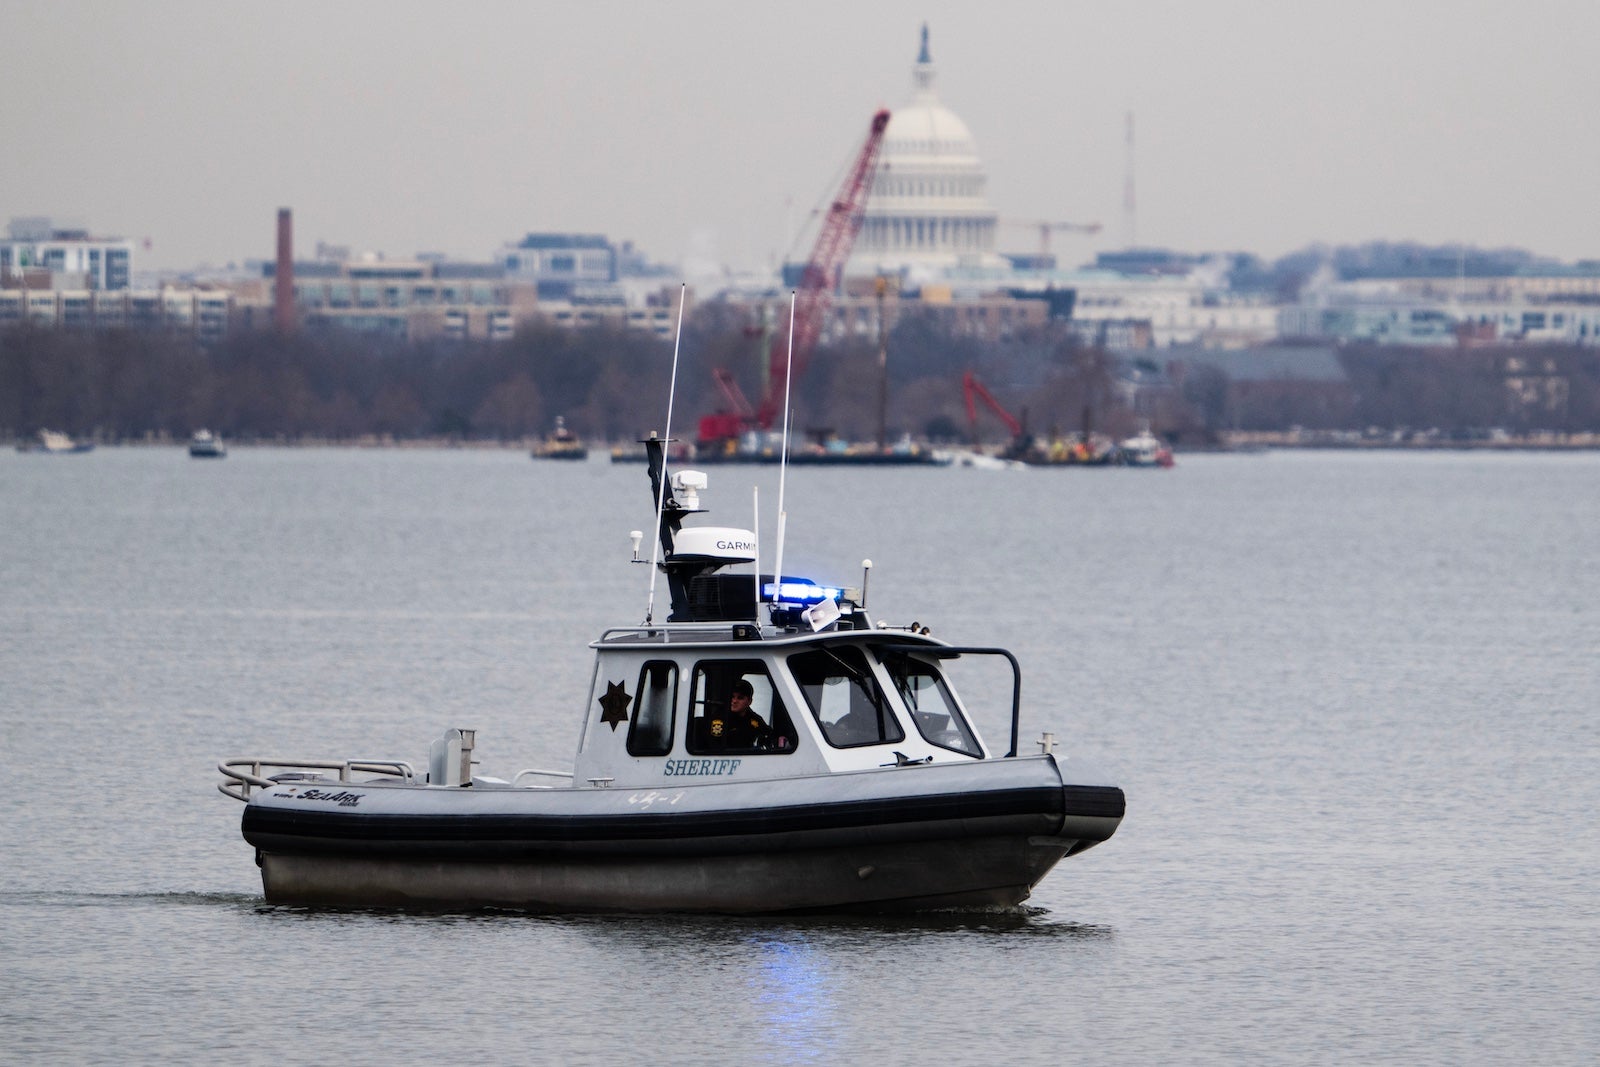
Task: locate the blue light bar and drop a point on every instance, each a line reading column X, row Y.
column 799, row 591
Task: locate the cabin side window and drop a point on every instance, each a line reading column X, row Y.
column 933, row 706
column 845, row 697
column 650, row 728
column 734, row 708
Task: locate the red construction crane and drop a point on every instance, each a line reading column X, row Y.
column 814, row 294
column 735, row 396
column 971, row 388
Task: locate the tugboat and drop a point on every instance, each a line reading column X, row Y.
column 1144, row 449
column 204, row 444
column 767, row 748
column 561, row 443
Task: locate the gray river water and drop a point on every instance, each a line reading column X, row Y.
column 1352, row 699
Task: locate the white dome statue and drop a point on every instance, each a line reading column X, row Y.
column 928, row 209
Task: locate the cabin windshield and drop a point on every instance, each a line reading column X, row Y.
column 933, row 706
column 845, row 697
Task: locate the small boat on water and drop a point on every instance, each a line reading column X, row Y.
column 1144, row 449
column 561, row 443
column 55, row 443
column 968, row 457
column 204, row 444
column 769, row 748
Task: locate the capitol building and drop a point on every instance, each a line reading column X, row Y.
column 928, row 211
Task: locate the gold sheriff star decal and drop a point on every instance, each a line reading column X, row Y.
column 615, row 703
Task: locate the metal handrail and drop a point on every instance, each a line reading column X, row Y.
column 949, row 651
column 663, row 632
column 239, row 781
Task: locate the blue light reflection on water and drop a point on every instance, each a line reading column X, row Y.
column 795, row 992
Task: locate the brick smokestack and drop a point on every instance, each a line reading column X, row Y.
column 283, row 279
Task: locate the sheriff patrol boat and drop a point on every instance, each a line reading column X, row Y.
column 767, row 748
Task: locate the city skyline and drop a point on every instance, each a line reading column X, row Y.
column 706, row 132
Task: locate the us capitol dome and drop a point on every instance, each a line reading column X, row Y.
column 928, row 210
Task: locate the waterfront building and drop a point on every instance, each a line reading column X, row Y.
column 586, row 280
column 71, row 258
column 568, row 280
column 984, row 316
column 1543, row 304
column 559, row 264
column 634, row 304
column 208, row 313
column 1195, row 308
column 412, row 299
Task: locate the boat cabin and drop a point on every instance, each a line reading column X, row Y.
column 730, row 702
column 718, row 693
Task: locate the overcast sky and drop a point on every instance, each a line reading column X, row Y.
column 707, row 130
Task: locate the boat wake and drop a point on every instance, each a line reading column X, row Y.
column 1009, row 921
column 64, row 898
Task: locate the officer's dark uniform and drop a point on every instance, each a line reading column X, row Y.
column 731, row 731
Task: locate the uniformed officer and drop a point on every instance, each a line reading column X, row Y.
column 739, row 727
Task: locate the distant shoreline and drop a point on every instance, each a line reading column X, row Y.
column 316, row 442
column 1238, row 443
column 1349, row 441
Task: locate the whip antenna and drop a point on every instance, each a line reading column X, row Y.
column 783, row 458
column 661, row 490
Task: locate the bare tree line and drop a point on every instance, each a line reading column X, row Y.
column 611, row 385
